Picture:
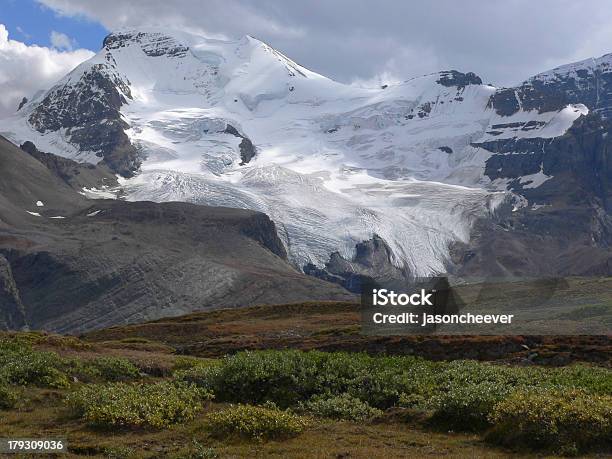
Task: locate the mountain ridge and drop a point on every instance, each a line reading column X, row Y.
column 238, row 123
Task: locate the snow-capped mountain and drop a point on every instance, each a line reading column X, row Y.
column 236, row 123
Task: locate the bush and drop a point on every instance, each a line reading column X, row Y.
column 205, row 376
column 289, row 377
column 136, row 405
column 563, row 421
column 185, row 362
column 109, row 369
column 340, row 407
column 8, row 397
column 592, row 379
column 467, row 407
column 255, row 423
column 379, row 381
column 284, row 377
column 461, row 372
column 20, row 364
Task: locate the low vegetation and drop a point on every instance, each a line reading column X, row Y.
column 8, row 396
column 344, row 407
column 155, row 405
column 108, row 369
column 21, row 365
column 252, row 397
column 458, row 395
column 255, row 423
column 566, row 421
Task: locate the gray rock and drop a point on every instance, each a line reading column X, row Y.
column 12, row 312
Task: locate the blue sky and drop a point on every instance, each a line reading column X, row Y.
column 32, row 23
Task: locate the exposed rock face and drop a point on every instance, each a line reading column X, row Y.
column 22, row 103
column 155, row 44
column 108, row 262
column 578, row 164
column 455, row 78
column 88, row 112
column 372, row 262
column 247, row 149
column 12, row 313
column 567, row 241
column 76, row 175
column 588, row 82
column 562, row 224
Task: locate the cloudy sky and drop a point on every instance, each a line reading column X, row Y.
column 355, row 41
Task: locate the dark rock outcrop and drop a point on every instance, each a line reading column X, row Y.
column 372, row 262
column 579, row 162
column 459, row 79
column 88, row 110
column 588, row 83
column 152, row 44
column 247, row 149
column 22, row 103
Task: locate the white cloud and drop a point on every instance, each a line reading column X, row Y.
column 26, row 69
column 504, row 42
column 60, row 40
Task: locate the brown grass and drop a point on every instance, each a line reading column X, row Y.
column 334, row 326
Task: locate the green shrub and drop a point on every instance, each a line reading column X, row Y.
column 467, row 407
column 205, row 376
column 379, row 381
column 136, row 405
column 8, row 397
column 563, row 421
column 342, row 406
column 592, row 379
column 595, row 380
column 185, row 362
column 22, row 365
column 283, row 377
column 468, row 372
column 289, row 377
column 39, row 337
column 109, row 369
column 255, row 423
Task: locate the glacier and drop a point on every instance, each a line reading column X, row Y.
column 334, row 163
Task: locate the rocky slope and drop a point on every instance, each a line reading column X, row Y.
column 70, row 264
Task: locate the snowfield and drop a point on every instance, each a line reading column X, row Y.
column 335, row 163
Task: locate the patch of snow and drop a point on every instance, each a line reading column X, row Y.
column 36, row 214
column 534, row 180
column 94, row 213
column 97, row 193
